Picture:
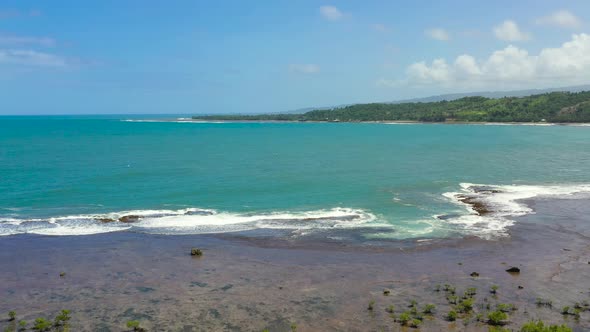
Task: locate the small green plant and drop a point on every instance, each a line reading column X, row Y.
column 390, row 309
column 497, row 317
column 471, row 291
column 386, row 292
column 12, row 315
column 452, row 299
column 539, row 326
column 565, row 310
column 404, row 318
column 371, row 305
column 505, row 307
column 62, row 318
column 134, row 324
column 437, row 288
column 494, row 289
column 452, row 316
column 42, row 324
column 294, row 327
column 543, row 303
column 480, row 317
column 413, row 303
column 415, row 323
column 22, row 325
column 465, row 305
column 429, row 308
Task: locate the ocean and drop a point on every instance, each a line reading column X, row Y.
column 81, row 175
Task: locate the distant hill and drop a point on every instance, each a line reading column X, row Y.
column 493, row 94
column 550, row 107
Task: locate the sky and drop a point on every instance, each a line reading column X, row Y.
column 221, row 56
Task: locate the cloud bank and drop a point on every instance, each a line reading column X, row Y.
column 511, row 66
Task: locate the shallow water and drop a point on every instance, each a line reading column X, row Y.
column 60, row 174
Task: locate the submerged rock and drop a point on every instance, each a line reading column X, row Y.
column 129, row 218
column 513, row 269
column 196, row 252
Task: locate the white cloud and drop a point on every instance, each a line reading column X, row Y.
column 331, row 13
column 509, row 31
column 308, row 68
column 438, row 34
column 508, row 67
column 24, row 40
column 561, row 18
column 32, row 58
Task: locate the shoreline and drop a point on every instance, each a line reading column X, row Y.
column 186, row 120
column 252, row 285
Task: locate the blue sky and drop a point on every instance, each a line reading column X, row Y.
column 63, row 57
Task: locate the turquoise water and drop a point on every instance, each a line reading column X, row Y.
column 59, row 174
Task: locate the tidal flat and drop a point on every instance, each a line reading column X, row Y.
column 257, row 282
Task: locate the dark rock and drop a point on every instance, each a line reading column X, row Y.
column 386, row 292
column 130, row 218
column 62, row 274
column 566, row 249
column 196, row 252
column 479, row 207
column 513, row 269
column 105, row 220
column 474, row 274
column 520, row 287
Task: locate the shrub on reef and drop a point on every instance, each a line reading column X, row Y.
column 504, row 307
column 134, row 325
column 390, row 309
column 62, row 318
column 544, row 303
column 22, row 325
column 415, row 322
column 371, row 305
column 497, row 317
column 465, row 305
column 429, row 308
column 12, row 315
column 452, row 316
column 196, row 252
column 539, row 326
column 294, row 327
column 42, row 324
column 404, row 318
column 494, row 289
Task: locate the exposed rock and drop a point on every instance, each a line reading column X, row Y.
column 520, row 287
column 129, row 218
column 105, row 220
column 476, row 205
column 198, row 213
column 474, row 274
column 196, row 252
column 513, row 269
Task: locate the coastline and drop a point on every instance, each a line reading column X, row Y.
column 187, row 120
column 251, row 284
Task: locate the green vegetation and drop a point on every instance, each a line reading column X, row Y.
column 429, row 308
column 465, row 305
column 404, row 318
column 62, row 318
column 196, row 252
column 390, row 309
column 22, row 325
column 42, row 324
column 550, row 107
column 134, row 324
column 497, row 317
column 504, row 307
column 294, row 327
column 12, row 315
column 494, row 289
column 539, row 326
column 544, row 303
column 452, row 316
column 371, row 305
